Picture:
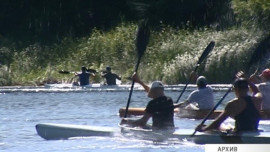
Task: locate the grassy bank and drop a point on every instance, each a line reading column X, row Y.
column 171, row 55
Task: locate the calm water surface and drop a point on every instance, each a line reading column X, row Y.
column 22, row 110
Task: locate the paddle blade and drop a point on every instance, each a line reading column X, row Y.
column 261, row 54
column 142, row 38
column 207, row 50
column 92, row 71
column 64, row 72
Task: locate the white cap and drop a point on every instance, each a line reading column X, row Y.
column 201, row 80
column 156, row 84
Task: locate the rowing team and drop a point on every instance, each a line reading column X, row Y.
column 85, row 74
column 244, row 108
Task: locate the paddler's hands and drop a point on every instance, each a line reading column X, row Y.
column 126, row 121
column 193, row 76
column 123, row 121
column 200, row 128
column 254, row 78
column 136, row 78
column 241, row 74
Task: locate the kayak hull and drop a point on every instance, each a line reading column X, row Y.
column 145, row 133
column 217, row 137
column 50, row 131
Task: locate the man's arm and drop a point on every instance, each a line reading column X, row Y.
column 253, row 78
column 216, row 123
column 118, row 77
column 188, row 101
column 139, row 122
column 250, row 80
column 92, row 74
column 228, row 112
column 253, row 87
column 103, row 74
column 137, row 79
column 182, row 104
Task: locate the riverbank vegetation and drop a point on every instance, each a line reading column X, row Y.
column 33, row 53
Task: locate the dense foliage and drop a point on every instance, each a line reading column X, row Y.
column 39, row 38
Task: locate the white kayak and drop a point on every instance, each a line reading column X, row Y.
column 52, row 131
column 99, row 86
column 94, row 86
column 217, row 137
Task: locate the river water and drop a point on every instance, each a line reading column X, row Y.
column 22, row 108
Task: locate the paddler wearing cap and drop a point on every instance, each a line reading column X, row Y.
column 160, row 108
column 264, row 87
column 202, row 98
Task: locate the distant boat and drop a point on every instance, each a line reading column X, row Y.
column 178, row 87
column 90, row 86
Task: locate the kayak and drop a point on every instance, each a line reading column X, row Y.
column 51, row 131
column 197, row 114
column 187, row 113
column 69, row 85
column 191, row 87
column 217, row 137
column 213, row 137
column 91, row 87
column 94, row 85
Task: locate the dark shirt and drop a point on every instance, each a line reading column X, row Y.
column 84, row 78
column 248, row 119
column 162, row 111
column 111, row 78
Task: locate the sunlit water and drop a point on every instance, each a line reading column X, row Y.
column 21, row 110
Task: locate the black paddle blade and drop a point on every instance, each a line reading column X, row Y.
column 261, row 54
column 92, row 71
column 63, row 72
column 142, row 38
column 207, row 50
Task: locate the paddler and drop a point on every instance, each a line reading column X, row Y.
column 244, row 108
column 264, row 87
column 160, row 108
column 202, row 98
column 109, row 76
column 84, row 76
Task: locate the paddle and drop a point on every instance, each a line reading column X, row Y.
column 207, row 50
column 142, row 39
column 68, row 72
column 64, row 72
column 213, row 109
